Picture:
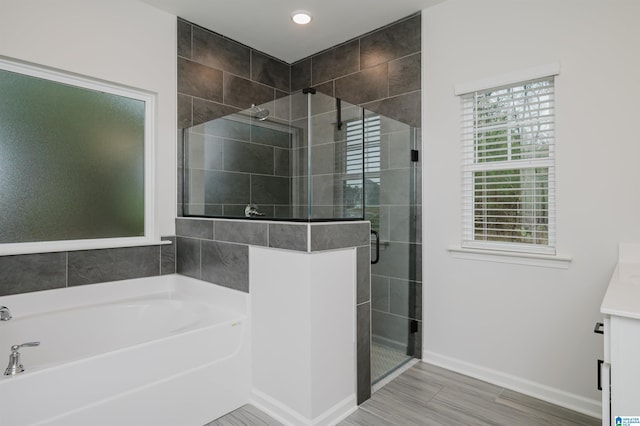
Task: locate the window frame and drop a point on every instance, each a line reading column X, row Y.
column 150, row 236
column 469, row 166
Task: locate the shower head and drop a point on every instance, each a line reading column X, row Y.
column 259, row 113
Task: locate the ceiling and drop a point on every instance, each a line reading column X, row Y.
column 266, row 25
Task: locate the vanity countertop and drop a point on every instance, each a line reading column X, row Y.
column 623, row 294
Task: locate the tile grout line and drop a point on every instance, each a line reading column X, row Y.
column 442, row 387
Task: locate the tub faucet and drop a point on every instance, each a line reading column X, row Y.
column 5, row 314
column 14, row 366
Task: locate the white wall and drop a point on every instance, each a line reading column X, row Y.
column 303, row 334
column 121, row 41
column 531, row 327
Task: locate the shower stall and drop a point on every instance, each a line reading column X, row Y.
column 310, row 157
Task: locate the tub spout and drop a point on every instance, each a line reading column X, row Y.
column 5, row 314
column 14, row 366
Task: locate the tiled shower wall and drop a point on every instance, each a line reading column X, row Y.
column 379, row 71
column 232, row 163
column 217, row 77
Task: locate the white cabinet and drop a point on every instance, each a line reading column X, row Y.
column 620, row 371
column 623, row 366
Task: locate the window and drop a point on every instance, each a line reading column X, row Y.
column 362, row 154
column 508, row 167
column 75, row 161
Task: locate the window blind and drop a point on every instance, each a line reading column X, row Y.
column 365, row 131
column 508, row 167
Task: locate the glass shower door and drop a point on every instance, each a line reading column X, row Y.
column 294, row 159
column 327, row 158
column 393, row 206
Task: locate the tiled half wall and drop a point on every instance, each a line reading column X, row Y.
column 217, row 250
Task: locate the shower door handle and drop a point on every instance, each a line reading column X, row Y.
column 375, row 234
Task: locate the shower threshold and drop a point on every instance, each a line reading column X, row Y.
column 387, row 364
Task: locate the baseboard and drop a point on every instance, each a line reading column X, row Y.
column 558, row 397
column 337, row 413
column 276, row 409
column 290, row 417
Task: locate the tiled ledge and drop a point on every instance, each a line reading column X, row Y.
column 217, row 250
column 333, row 235
column 309, row 237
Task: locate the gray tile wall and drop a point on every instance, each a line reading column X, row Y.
column 233, row 163
column 379, row 71
column 45, row 271
column 216, row 250
column 363, row 353
column 217, row 77
column 327, row 236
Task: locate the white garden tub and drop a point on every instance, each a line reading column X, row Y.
column 167, row 350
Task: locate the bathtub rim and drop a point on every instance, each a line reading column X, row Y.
column 235, row 303
column 243, row 321
column 170, row 286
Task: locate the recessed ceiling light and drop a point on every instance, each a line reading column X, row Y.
column 301, row 17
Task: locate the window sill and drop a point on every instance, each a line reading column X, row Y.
column 75, row 245
column 541, row 260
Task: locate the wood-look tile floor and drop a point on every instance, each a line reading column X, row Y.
column 429, row 395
